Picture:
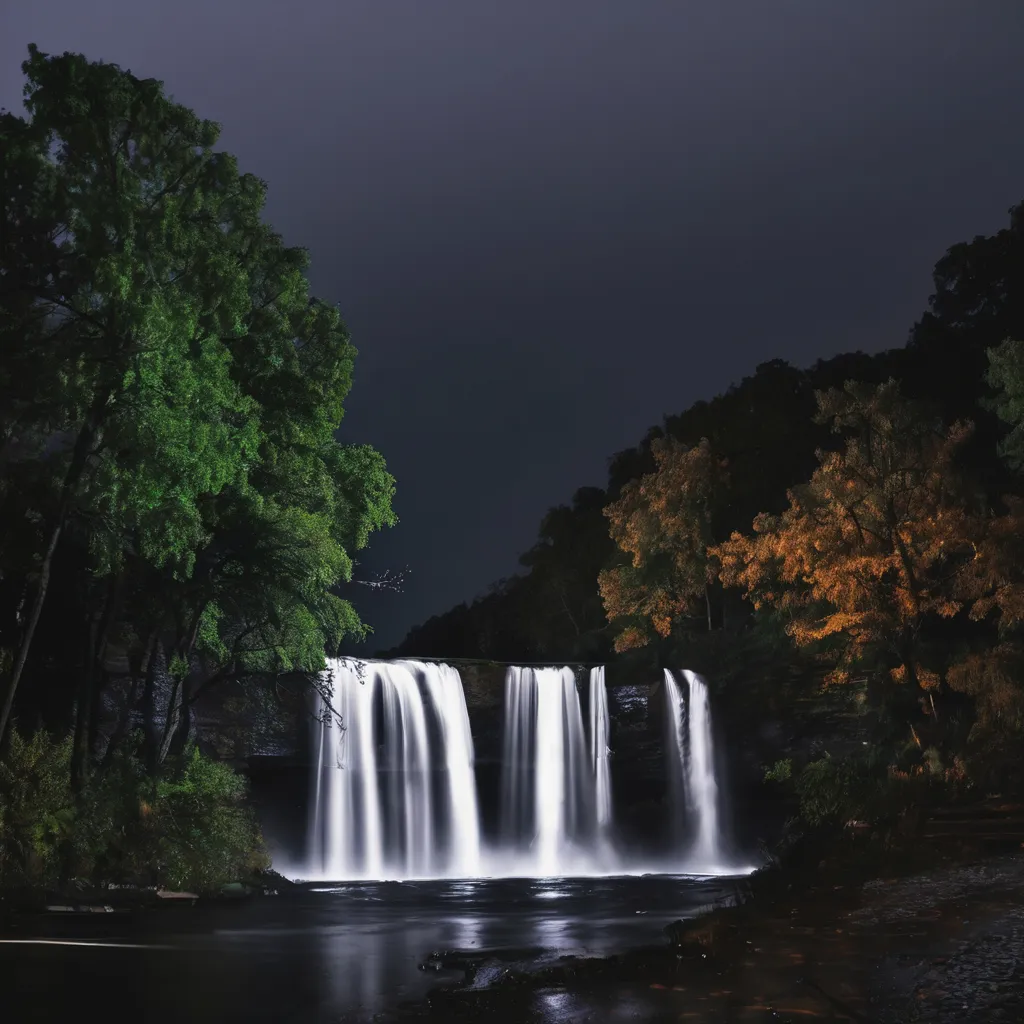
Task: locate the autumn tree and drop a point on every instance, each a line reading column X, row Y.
column 870, row 549
column 665, row 522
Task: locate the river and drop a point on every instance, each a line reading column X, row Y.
column 319, row 953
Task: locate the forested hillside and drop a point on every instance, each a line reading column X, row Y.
column 763, row 430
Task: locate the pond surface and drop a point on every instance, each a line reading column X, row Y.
column 340, row 953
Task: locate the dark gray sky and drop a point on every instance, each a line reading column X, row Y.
column 549, row 224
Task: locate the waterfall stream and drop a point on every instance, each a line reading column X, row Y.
column 394, row 787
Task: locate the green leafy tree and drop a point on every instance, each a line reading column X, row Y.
column 184, row 391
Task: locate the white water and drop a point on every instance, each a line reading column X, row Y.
column 545, row 781
column 374, row 812
column 346, row 784
column 691, row 756
column 394, row 793
column 599, row 760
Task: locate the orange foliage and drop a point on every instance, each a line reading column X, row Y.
column 876, row 540
column 663, row 522
column 993, row 582
column 995, row 679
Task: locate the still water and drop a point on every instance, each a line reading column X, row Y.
column 321, row 953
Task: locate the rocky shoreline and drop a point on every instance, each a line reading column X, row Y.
column 941, row 943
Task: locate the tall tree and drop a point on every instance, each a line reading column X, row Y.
column 872, row 547
column 665, row 523
column 175, row 378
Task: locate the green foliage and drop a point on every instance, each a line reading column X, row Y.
column 830, row 791
column 203, row 833
column 781, row 771
column 170, row 392
column 188, row 828
column 1006, row 376
column 36, row 808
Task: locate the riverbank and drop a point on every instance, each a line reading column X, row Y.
column 26, row 903
column 929, row 928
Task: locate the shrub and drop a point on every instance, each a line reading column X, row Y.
column 36, row 808
column 830, row 790
column 204, row 833
column 188, row 828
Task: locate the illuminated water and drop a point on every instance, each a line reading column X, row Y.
column 377, row 809
column 692, row 769
column 394, row 792
column 547, row 787
column 599, row 752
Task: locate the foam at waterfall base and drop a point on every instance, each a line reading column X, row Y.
column 497, row 865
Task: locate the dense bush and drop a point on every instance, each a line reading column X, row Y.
column 874, row 787
column 36, row 808
column 187, row 828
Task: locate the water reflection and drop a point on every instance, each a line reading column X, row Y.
column 341, row 953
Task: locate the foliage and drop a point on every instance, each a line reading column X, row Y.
column 762, row 426
column 171, row 397
column 1006, row 376
column 830, row 790
column 203, row 833
column 36, row 806
column 994, row 679
column 665, row 522
column 781, row 771
column 189, row 828
column 871, row 547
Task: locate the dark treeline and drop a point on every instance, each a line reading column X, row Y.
column 838, row 548
column 764, row 429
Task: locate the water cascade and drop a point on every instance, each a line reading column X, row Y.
column 599, row 724
column 547, row 791
column 690, row 753
column 393, row 790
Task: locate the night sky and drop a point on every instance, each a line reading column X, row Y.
column 549, row 224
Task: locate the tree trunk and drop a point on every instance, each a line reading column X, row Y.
column 179, row 700
column 707, row 603
column 123, row 721
column 89, row 693
column 78, row 459
column 30, row 629
column 138, row 665
column 149, row 708
column 174, row 708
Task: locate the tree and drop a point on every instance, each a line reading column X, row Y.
column 1006, row 376
column 566, row 617
column 871, row 548
column 176, row 379
column 665, row 522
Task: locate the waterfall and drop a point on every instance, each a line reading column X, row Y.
column 544, row 784
column 346, row 780
column 445, row 688
column 378, row 808
column 599, row 724
column 690, row 752
column 394, row 790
